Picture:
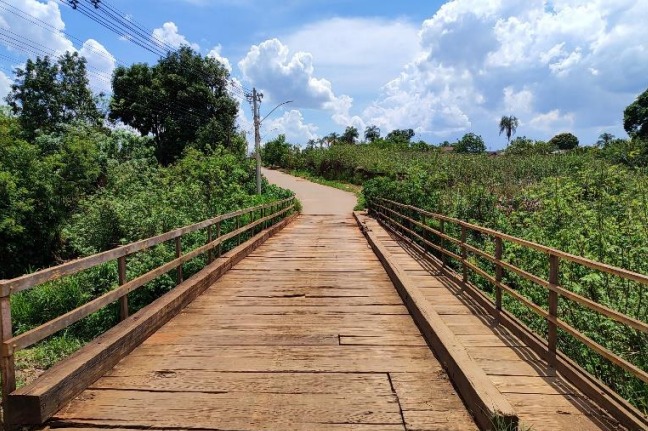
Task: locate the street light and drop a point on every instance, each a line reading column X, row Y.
column 256, row 98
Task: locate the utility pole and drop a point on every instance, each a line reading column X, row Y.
column 256, row 100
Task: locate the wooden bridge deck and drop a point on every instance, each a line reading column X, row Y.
column 307, row 333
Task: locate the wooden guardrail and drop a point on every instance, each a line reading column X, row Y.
column 411, row 222
column 261, row 217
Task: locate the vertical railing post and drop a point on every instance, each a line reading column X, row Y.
column 442, row 243
column 464, row 256
column 218, row 235
column 552, row 334
column 238, row 226
column 123, row 301
column 499, row 272
column 8, row 363
column 178, row 253
column 265, row 223
column 210, row 252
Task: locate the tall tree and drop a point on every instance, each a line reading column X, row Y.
column 635, row 117
column 508, row 125
column 181, row 101
column 470, row 144
column 605, row 139
column 564, row 141
column 48, row 94
column 400, row 136
column 350, row 135
column 372, row 133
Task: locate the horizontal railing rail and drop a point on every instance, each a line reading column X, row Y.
column 401, row 218
column 261, row 217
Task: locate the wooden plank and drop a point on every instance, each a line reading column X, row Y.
column 34, row 403
column 432, row 420
column 232, row 411
column 124, row 377
column 476, row 389
column 325, row 359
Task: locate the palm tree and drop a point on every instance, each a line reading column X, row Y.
column 604, row 139
column 350, row 135
column 372, row 133
column 509, row 125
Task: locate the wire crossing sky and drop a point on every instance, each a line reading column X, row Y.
column 441, row 68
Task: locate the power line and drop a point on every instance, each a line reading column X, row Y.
column 48, row 27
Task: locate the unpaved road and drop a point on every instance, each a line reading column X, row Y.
column 315, row 198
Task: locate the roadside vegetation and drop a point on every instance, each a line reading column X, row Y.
column 77, row 180
column 587, row 200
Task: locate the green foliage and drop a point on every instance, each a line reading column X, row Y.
column 372, row 133
column 635, row 117
column 350, row 135
column 629, row 152
column 46, row 95
column 470, row 144
column 564, row 141
column 277, row 152
column 523, row 146
column 399, row 136
column 180, row 101
column 508, row 125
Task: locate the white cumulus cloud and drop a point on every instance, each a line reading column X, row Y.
column 30, row 40
column 168, row 34
column 215, row 53
column 282, row 76
column 291, row 124
column 564, row 64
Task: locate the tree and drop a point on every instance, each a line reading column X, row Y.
column 509, row 126
column 179, row 101
column 276, row 152
column 400, row 136
column 350, row 135
column 332, row 139
column 564, row 141
column 46, row 94
column 470, row 144
column 525, row 147
column 372, row 133
column 605, row 139
column 635, row 117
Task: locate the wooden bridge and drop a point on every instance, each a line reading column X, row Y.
column 328, row 320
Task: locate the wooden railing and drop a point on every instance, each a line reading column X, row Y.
column 412, row 222
column 261, row 217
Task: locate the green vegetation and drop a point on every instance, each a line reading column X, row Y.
column 72, row 184
column 589, row 201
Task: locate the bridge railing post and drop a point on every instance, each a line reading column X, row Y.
column 178, row 253
column 210, row 252
column 499, row 273
column 7, row 359
column 238, row 226
column 218, row 235
column 123, row 301
column 552, row 327
column 464, row 257
column 442, row 243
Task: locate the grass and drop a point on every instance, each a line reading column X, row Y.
column 32, row 362
column 347, row 187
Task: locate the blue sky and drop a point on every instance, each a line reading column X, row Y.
column 440, row 68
